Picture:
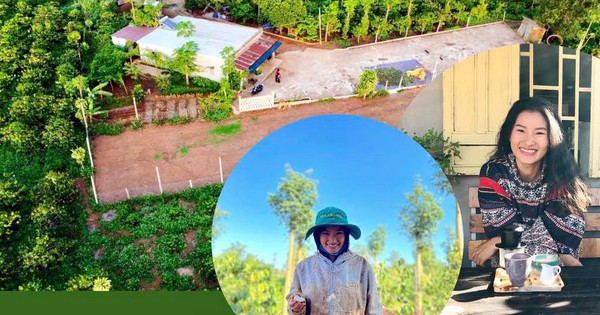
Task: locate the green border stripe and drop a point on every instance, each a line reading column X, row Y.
column 103, row 303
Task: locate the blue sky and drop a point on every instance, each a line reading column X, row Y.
column 362, row 166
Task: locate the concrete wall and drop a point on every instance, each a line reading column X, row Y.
column 425, row 111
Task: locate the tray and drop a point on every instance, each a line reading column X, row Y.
column 532, row 283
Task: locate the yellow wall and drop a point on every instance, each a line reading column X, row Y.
column 477, row 94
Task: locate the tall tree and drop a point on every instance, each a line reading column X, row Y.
column 293, row 203
column 286, row 14
column 184, row 60
column 331, row 20
column 376, row 242
column 107, row 65
column 382, row 24
column 362, row 29
column 350, row 7
column 419, row 218
column 569, row 18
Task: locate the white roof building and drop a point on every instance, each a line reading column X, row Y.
column 211, row 36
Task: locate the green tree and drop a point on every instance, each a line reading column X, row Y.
column 293, row 203
column 419, row 218
column 107, row 65
column 381, row 24
column 184, row 60
column 148, row 15
column 350, row 7
column 408, row 18
column 480, row 11
column 132, row 70
column 376, row 242
column 286, row 14
column 362, row 29
column 569, row 18
column 185, row 29
column 250, row 285
column 330, row 19
column 228, row 56
column 367, row 83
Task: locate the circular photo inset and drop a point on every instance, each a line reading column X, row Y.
column 336, row 213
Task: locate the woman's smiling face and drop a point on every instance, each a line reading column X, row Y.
column 529, row 139
column 332, row 238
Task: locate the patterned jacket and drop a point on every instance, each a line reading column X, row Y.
column 505, row 199
column 346, row 286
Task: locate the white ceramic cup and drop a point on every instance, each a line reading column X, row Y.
column 549, row 273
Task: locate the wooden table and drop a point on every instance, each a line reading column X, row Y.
column 474, row 294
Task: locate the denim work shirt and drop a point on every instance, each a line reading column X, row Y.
column 346, row 286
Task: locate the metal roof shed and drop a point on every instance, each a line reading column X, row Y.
column 130, row 33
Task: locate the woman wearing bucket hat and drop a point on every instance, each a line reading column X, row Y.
column 333, row 280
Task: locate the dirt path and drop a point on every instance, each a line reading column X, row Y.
column 188, row 152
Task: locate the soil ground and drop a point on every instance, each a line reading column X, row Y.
column 184, row 153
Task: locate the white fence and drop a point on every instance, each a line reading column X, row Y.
column 256, row 103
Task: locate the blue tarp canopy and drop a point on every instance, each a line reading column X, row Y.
column 264, row 57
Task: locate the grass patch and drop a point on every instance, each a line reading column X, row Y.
column 197, row 85
column 157, row 156
column 111, row 102
column 181, row 152
column 226, row 130
column 326, row 100
column 107, row 129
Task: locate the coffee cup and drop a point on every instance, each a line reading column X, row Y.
column 517, row 268
column 549, row 273
column 538, row 260
column 505, row 251
column 511, row 236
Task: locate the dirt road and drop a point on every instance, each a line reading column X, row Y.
column 128, row 163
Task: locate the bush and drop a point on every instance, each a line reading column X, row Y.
column 138, row 93
column 163, row 82
column 206, row 85
column 110, row 102
column 343, row 42
column 440, row 148
column 382, row 92
column 178, row 120
column 107, row 129
column 217, row 114
column 136, row 124
column 390, row 75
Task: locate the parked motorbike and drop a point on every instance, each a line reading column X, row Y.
column 257, row 89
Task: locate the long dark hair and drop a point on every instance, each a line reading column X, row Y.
column 561, row 169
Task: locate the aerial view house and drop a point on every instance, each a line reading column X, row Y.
column 251, row 46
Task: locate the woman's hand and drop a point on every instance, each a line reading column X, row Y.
column 485, row 250
column 569, row 260
column 297, row 307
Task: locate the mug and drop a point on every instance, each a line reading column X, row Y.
column 549, row 273
column 517, row 268
column 538, row 260
column 504, row 252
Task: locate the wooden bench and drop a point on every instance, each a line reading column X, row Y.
column 590, row 245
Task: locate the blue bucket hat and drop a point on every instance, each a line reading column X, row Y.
column 334, row 216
